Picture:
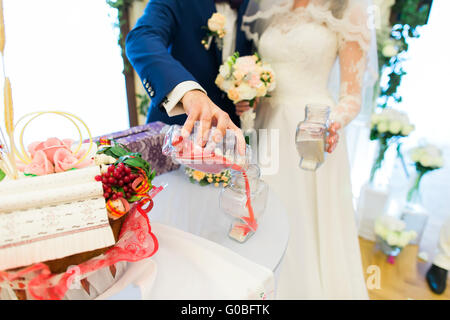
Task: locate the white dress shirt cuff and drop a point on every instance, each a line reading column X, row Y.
column 172, row 102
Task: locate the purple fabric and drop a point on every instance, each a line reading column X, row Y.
column 148, row 141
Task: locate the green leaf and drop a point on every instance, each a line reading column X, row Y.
column 192, row 180
column 133, row 199
column 203, row 183
column 2, row 175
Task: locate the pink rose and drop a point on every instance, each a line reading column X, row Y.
column 49, row 147
column 254, row 80
column 65, row 160
column 40, row 165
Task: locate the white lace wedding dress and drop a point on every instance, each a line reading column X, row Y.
column 323, row 259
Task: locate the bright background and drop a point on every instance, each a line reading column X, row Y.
column 63, row 55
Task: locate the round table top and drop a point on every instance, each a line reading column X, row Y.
column 195, row 209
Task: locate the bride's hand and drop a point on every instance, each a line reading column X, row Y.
column 244, row 106
column 333, row 136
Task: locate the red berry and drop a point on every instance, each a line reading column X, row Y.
column 129, row 195
column 111, row 180
column 106, row 174
column 111, row 168
column 116, row 175
column 121, row 165
column 108, row 189
column 98, row 178
column 119, row 194
column 126, row 188
column 121, row 183
column 105, row 180
column 106, row 195
column 114, row 197
column 127, row 170
column 126, row 179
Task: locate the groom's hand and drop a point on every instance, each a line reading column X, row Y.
column 199, row 107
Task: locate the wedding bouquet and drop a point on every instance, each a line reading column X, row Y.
column 388, row 127
column 205, row 178
column 245, row 79
column 426, row 159
column 392, row 235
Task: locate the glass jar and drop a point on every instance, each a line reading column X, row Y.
column 310, row 137
column 244, row 200
column 214, row 157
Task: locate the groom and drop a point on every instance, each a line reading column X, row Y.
column 178, row 72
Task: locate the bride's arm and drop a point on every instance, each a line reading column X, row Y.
column 352, row 63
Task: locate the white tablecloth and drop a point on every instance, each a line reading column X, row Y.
column 196, row 258
column 195, row 209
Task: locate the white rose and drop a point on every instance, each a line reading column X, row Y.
column 407, row 130
column 392, row 239
column 415, row 155
column 246, row 92
column 225, row 70
column 375, row 119
column 389, row 51
column 227, row 85
column 103, row 159
column 426, row 160
column 217, row 22
column 395, row 127
column 380, row 230
column 382, row 127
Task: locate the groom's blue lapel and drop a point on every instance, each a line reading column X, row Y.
column 210, row 8
column 240, row 35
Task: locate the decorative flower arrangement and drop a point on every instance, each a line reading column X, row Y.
column 215, row 29
column 245, row 79
column 388, row 127
column 392, row 236
column 126, row 177
column 55, row 155
column 426, row 159
column 204, row 179
column 399, row 21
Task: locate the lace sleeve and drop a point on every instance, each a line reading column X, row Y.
column 352, row 67
column 354, row 42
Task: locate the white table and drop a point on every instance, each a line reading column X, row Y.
column 195, row 209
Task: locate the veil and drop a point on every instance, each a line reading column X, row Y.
column 352, row 20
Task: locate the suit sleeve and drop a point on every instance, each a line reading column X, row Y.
column 147, row 48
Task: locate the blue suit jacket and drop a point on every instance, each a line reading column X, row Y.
column 165, row 49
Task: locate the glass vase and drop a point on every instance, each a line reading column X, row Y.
column 378, row 179
column 390, row 251
column 244, row 200
column 414, row 214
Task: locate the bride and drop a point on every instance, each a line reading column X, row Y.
column 302, row 39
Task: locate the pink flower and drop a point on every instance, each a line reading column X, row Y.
column 49, row 147
column 40, row 165
column 64, row 160
column 245, row 64
column 254, row 80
